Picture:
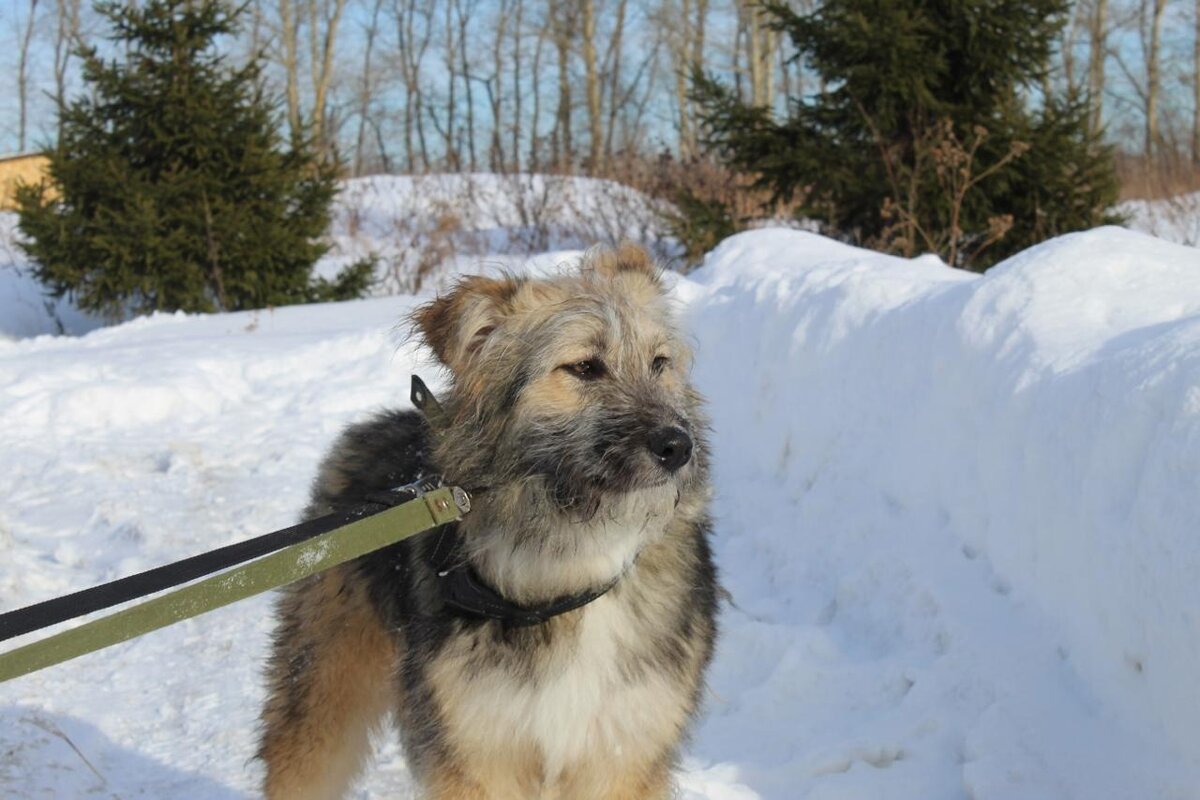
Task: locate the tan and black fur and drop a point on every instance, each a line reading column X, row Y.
column 570, row 402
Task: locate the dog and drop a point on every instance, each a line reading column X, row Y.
column 552, row 644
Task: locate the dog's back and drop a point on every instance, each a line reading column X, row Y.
column 594, row 485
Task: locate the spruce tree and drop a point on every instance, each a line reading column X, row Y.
column 170, row 186
column 932, row 129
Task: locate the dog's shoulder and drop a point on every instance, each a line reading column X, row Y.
column 390, row 449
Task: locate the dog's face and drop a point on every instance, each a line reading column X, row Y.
column 576, row 384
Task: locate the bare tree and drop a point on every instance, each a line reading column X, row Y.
column 463, row 11
column 366, row 84
column 1196, row 87
column 613, row 61
column 536, row 78
column 591, row 84
column 28, row 26
column 289, row 58
column 682, row 63
column 697, row 30
column 1146, row 18
column 414, row 32
column 640, row 89
column 447, row 129
column 258, row 26
column 518, row 14
column 562, row 34
column 1097, row 55
column 1070, row 35
column 564, row 20
column 1153, row 75
column 67, row 35
column 684, row 21
column 324, row 17
column 760, row 42
column 494, row 86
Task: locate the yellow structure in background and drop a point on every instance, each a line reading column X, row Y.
column 29, row 168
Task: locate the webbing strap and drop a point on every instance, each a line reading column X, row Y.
column 97, row 598
column 432, row 509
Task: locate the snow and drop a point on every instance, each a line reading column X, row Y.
column 25, row 310
column 955, row 515
column 1176, row 219
column 959, row 515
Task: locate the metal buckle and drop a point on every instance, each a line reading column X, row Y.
column 421, row 487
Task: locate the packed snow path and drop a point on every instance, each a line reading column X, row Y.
column 957, row 516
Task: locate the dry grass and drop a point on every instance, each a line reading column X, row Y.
column 1168, row 175
column 665, row 177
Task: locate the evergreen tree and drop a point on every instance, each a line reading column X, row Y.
column 170, row 186
column 931, row 131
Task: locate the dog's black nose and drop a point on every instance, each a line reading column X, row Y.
column 671, row 447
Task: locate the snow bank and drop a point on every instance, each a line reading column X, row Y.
column 896, row 442
column 954, row 518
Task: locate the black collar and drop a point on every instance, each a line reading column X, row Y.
column 465, row 593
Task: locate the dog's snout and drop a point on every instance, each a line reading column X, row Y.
column 671, row 447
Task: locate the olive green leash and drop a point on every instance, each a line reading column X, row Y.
column 430, row 509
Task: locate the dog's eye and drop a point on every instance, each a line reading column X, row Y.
column 587, row 370
column 659, row 364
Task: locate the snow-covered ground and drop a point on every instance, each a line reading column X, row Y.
column 957, row 517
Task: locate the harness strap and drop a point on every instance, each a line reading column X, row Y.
column 429, row 406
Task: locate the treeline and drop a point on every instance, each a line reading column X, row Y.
column 585, row 85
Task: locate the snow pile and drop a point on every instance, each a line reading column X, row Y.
column 955, row 517
column 960, row 517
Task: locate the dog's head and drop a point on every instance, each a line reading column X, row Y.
column 575, row 386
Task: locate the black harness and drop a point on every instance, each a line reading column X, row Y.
column 463, row 591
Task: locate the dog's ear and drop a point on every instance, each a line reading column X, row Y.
column 456, row 324
column 628, row 257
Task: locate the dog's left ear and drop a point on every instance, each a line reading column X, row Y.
column 627, row 258
column 456, row 325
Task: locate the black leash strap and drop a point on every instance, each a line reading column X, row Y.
column 106, row 595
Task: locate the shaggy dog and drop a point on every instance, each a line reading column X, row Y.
column 552, row 644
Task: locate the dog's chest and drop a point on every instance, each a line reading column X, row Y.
column 588, row 698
